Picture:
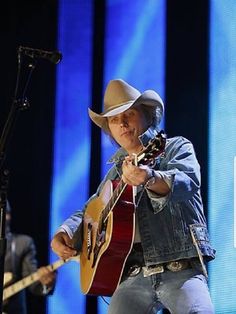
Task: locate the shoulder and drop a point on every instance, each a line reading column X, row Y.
column 179, row 146
column 177, row 142
column 23, row 239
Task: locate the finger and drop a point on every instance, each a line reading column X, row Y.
column 45, row 271
column 67, row 253
column 127, row 180
column 58, row 247
column 49, row 277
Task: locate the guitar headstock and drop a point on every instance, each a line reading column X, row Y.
column 153, row 149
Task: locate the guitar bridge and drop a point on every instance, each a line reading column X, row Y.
column 89, row 241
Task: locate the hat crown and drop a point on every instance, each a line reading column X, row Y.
column 119, row 92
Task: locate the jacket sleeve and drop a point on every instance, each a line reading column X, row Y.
column 181, row 166
column 72, row 224
column 184, row 169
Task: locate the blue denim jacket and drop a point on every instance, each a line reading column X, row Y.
column 165, row 222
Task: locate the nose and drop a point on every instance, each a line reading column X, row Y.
column 123, row 122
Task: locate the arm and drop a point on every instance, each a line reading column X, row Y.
column 67, row 241
column 141, row 175
column 179, row 174
column 182, row 165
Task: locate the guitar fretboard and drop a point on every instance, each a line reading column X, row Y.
column 30, row 279
column 113, row 200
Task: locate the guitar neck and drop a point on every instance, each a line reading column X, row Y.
column 28, row 280
column 114, row 198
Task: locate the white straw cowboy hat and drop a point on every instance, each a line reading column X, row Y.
column 120, row 96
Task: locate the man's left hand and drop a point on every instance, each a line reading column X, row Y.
column 46, row 276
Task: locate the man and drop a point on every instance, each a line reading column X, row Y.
column 20, row 261
column 165, row 268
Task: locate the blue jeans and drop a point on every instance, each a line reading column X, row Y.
column 182, row 292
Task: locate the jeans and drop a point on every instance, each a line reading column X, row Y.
column 182, row 292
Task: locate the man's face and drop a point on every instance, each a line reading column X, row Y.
column 126, row 127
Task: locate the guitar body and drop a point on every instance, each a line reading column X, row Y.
column 106, row 242
column 108, row 229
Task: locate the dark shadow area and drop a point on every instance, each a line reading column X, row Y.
column 30, row 150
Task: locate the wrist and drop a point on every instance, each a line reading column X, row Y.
column 151, row 179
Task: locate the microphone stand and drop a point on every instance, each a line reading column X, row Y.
column 19, row 104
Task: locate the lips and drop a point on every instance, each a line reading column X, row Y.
column 124, row 133
column 128, row 132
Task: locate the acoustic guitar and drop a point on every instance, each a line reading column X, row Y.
column 108, row 230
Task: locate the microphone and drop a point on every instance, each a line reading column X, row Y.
column 53, row 56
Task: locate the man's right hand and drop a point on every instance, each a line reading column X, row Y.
column 61, row 244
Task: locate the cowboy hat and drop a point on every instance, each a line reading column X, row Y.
column 120, row 96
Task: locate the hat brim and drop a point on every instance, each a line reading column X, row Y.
column 149, row 98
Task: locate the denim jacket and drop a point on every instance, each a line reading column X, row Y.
column 165, row 222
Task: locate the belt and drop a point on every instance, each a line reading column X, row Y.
column 135, row 266
column 173, row 266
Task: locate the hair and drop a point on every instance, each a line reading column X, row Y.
column 151, row 115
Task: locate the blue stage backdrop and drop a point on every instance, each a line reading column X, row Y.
column 134, row 51
column 72, row 139
column 222, row 152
